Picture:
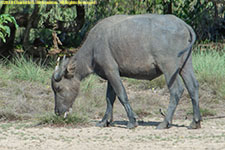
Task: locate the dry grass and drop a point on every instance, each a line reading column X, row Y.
column 24, row 99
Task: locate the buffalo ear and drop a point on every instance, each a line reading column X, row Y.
column 60, row 69
column 70, row 70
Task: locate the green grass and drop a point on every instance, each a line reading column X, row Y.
column 204, row 112
column 209, row 67
column 89, row 83
column 52, row 119
column 3, row 71
column 21, row 68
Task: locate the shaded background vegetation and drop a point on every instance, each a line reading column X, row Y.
column 41, row 25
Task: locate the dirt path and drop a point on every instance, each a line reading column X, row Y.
column 20, row 136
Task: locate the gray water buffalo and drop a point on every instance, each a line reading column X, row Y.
column 137, row 46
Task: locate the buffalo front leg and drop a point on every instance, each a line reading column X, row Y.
column 176, row 90
column 108, row 117
column 115, row 81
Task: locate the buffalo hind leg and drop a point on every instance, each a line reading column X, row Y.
column 176, row 90
column 110, row 98
column 192, row 86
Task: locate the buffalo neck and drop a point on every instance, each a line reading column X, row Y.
column 82, row 60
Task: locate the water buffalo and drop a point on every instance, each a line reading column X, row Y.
column 137, row 46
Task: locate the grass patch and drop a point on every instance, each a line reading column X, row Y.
column 145, row 84
column 52, row 119
column 142, row 113
column 158, row 82
column 22, row 68
column 10, row 115
column 3, row 70
column 207, row 112
column 204, row 112
column 210, row 68
column 89, row 83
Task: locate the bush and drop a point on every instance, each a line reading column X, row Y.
column 4, row 29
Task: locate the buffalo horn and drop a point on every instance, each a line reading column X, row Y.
column 57, row 73
column 57, row 65
column 60, row 69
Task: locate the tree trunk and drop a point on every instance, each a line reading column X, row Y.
column 215, row 10
column 2, row 11
column 167, row 7
column 32, row 18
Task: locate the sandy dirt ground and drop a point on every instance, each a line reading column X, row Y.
column 34, row 99
column 24, row 136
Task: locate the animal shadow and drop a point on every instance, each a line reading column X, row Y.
column 123, row 124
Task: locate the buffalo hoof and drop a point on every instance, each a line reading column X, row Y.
column 163, row 125
column 132, row 125
column 104, row 124
column 194, row 125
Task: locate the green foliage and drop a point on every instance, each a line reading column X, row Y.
column 114, row 7
column 200, row 14
column 56, row 13
column 4, row 28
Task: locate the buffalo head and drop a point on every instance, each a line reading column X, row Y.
column 65, row 87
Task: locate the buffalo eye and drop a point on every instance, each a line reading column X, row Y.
column 57, row 88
